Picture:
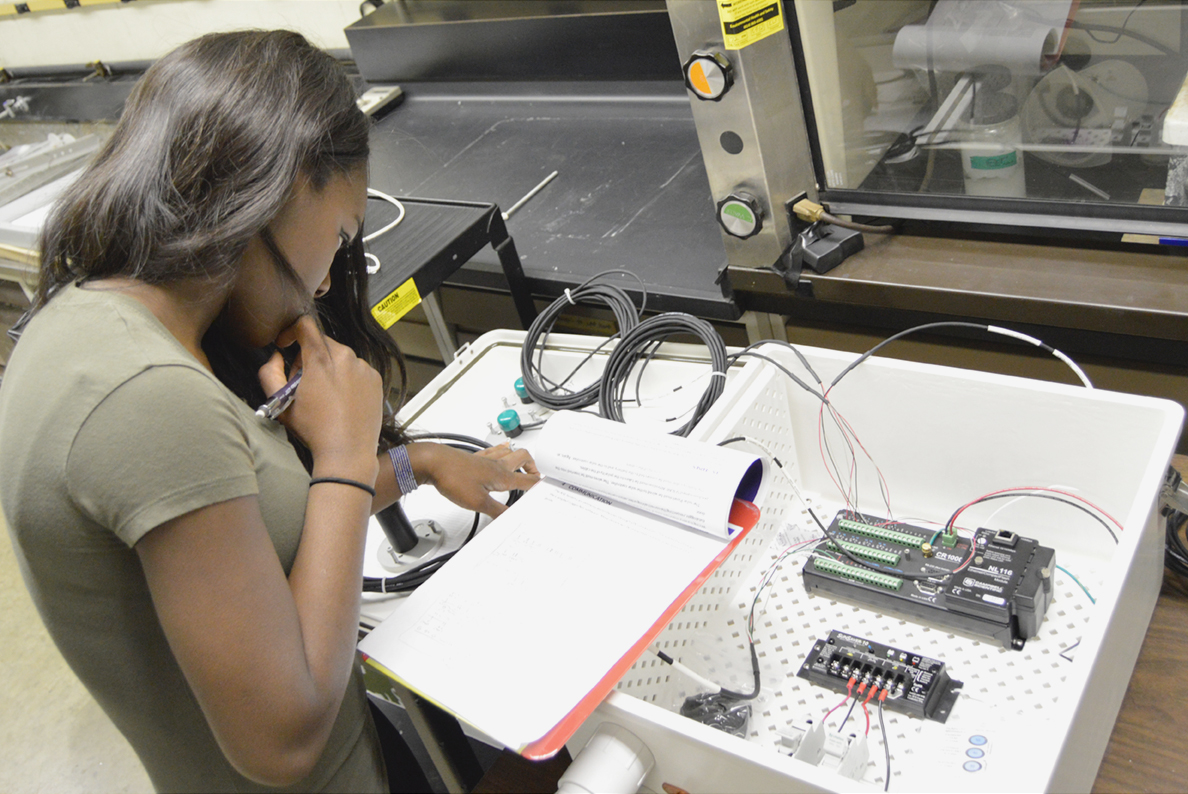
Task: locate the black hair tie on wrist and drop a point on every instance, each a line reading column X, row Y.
column 343, row 481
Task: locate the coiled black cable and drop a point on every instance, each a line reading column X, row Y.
column 556, row 395
column 1176, row 557
column 640, row 344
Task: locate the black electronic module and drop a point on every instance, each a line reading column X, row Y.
column 914, row 684
column 996, row 587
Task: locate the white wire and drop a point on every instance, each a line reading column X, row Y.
column 700, row 679
column 1080, row 373
column 1053, row 487
column 1073, row 366
column 379, row 194
column 781, row 470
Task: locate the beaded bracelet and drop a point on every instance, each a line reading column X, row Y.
column 402, row 466
column 342, row 481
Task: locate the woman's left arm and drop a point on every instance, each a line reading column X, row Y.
column 466, row 479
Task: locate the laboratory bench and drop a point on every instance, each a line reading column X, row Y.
column 631, row 192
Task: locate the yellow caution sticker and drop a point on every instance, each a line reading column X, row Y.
column 396, row 305
column 745, row 22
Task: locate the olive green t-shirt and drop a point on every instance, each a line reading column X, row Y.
column 108, row 428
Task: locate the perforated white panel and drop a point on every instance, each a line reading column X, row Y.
column 709, row 635
column 941, row 436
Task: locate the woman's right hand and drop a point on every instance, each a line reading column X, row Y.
column 338, row 410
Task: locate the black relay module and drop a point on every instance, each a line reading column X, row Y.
column 917, row 685
column 997, row 586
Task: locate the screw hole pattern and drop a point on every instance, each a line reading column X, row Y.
column 1020, row 683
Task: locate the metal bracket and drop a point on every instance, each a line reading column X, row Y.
column 1174, row 495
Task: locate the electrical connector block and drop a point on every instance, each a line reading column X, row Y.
column 878, row 533
column 808, row 741
column 866, row 552
column 808, row 211
column 863, row 575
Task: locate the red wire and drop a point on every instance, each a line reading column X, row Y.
column 873, row 688
column 825, row 719
column 824, row 458
column 847, row 431
column 973, row 549
column 858, row 441
column 1022, row 490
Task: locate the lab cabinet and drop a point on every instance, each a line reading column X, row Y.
column 1044, row 114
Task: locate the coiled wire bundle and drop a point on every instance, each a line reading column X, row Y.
column 640, row 344
column 556, row 395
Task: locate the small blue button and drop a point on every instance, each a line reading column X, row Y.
column 978, row 739
column 975, row 752
column 972, row 766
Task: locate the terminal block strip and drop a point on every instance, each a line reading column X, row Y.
column 877, row 532
column 915, row 684
column 859, row 574
column 866, row 552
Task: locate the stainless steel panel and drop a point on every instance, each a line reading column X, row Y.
column 763, row 109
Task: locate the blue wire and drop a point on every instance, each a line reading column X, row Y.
column 1078, row 581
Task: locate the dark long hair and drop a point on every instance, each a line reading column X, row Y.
column 210, row 146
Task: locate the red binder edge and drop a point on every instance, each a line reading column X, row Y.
column 743, row 515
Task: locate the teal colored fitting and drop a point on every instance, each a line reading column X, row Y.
column 509, row 422
column 522, row 391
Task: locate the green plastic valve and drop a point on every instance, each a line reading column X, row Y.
column 522, row 391
column 509, row 422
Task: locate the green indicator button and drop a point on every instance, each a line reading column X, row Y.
column 740, row 215
column 739, row 211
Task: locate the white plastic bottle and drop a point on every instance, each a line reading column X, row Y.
column 991, row 157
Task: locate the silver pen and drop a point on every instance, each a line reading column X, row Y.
column 277, row 403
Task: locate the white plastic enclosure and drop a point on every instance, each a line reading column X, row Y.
column 941, row 437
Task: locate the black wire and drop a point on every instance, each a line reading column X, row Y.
column 1053, row 497
column 1120, row 31
column 900, row 335
column 555, row 395
column 408, row 580
column 754, row 656
column 638, row 345
column 1123, row 31
column 848, row 713
column 886, row 748
column 755, row 670
column 1066, row 650
column 414, row 577
column 749, row 351
column 1176, row 557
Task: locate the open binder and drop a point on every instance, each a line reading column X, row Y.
column 530, row 625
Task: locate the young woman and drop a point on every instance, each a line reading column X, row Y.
column 199, row 566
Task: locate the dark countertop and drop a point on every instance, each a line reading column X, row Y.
column 631, row 190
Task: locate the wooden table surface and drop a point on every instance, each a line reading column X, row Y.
column 1146, row 749
column 1145, row 752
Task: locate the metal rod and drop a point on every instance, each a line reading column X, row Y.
column 529, row 195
